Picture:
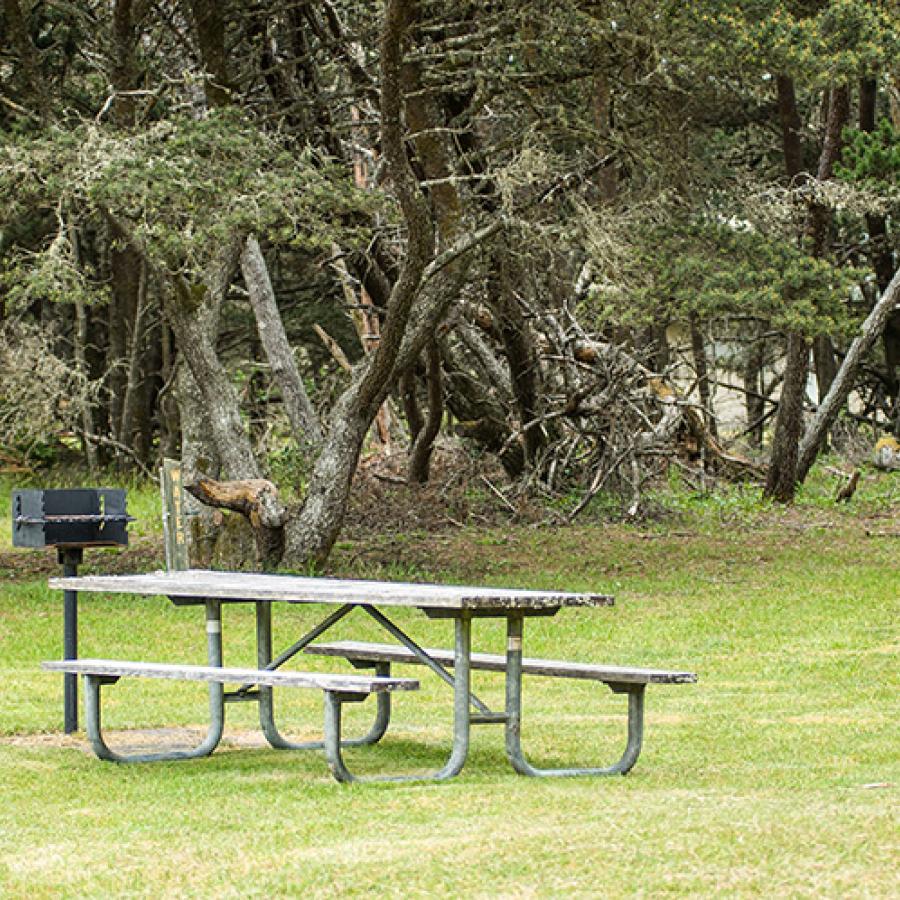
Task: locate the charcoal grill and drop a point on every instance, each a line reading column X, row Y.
column 70, row 519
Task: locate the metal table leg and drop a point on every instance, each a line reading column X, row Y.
column 266, row 697
column 514, row 715
column 461, row 719
column 93, row 684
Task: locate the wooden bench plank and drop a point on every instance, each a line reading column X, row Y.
column 365, row 652
column 362, row 684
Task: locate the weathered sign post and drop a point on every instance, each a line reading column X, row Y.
column 174, row 516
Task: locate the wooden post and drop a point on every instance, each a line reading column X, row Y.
column 174, row 522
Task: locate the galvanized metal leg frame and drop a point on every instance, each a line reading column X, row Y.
column 514, row 716
column 93, row 724
column 462, row 699
column 265, row 697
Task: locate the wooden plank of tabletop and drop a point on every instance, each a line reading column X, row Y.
column 300, row 589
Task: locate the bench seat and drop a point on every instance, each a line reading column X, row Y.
column 362, row 652
column 351, row 684
column 337, row 689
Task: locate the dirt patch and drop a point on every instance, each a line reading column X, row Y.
column 136, row 740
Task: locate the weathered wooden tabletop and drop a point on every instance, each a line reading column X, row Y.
column 299, row 589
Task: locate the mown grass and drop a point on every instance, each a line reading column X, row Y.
column 776, row 775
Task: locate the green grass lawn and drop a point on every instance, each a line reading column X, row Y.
column 776, row 775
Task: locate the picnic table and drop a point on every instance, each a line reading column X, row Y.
column 459, row 604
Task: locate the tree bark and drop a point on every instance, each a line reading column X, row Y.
column 755, row 389
column 123, row 66
column 791, row 127
column 411, row 409
column 781, row 481
column 185, row 312
column 209, row 22
column 79, row 345
column 824, row 363
column 518, row 345
column 423, row 445
column 301, row 414
column 255, row 499
column 132, row 393
column 882, row 258
column 820, row 221
column 22, row 44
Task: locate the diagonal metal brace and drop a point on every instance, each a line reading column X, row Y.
column 298, row 645
column 423, row 657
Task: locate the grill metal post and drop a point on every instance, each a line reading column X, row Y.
column 69, row 519
column 70, row 558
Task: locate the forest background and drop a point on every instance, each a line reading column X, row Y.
column 272, row 239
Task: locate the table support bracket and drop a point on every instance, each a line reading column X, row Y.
column 514, row 717
column 461, row 721
column 93, row 720
column 423, row 657
column 266, row 697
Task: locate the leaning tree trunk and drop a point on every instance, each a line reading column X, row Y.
column 843, row 382
column 197, row 348
column 299, row 409
column 210, row 413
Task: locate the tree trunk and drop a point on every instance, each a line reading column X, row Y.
column 843, row 382
column 301, row 414
column 820, row 221
column 169, row 421
column 124, row 265
column 782, row 478
column 20, row 40
column 701, row 368
column 518, row 345
column 311, row 535
column 824, row 363
column 411, row 409
column 882, row 257
column 255, row 499
column 791, row 127
column 423, row 445
column 209, row 23
column 313, row 532
column 197, row 349
column 214, row 438
column 79, row 344
column 133, row 396
column 781, row 481
column 123, row 69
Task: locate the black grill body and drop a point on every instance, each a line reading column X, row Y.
column 69, row 517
